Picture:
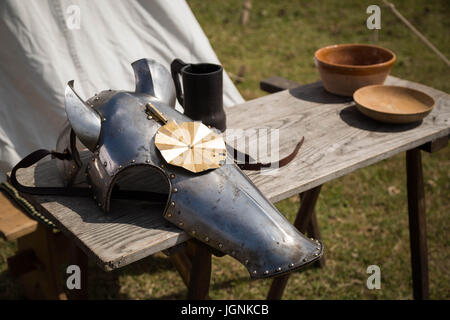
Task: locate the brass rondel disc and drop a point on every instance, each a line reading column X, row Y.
column 190, row 145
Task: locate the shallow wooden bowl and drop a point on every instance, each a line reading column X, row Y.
column 393, row 104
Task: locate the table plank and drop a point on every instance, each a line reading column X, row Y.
column 338, row 140
column 132, row 230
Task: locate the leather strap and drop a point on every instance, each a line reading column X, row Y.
column 278, row 164
column 35, row 156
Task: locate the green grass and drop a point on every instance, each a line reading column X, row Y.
column 361, row 222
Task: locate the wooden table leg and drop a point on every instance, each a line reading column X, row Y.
column 182, row 263
column 312, row 231
column 301, row 222
column 200, row 275
column 417, row 223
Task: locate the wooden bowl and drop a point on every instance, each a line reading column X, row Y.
column 393, row 104
column 344, row 68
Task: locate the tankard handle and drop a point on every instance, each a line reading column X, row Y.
column 175, row 69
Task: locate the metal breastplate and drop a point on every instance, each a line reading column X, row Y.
column 220, row 207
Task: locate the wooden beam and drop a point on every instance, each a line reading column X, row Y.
column 45, row 279
column 435, row 145
column 275, row 84
column 200, row 275
column 23, row 262
column 417, row 223
column 14, row 223
column 183, row 265
column 313, row 231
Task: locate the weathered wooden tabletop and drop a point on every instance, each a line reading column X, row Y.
column 338, row 140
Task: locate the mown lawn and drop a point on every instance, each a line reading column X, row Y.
column 362, row 216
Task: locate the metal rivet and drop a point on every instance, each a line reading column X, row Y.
column 149, row 117
column 175, row 190
column 220, row 245
column 169, row 215
column 266, row 272
column 254, row 272
column 291, row 265
column 120, row 166
column 279, row 269
column 317, row 241
column 312, row 239
column 304, row 259
column 97, row 146
column 172, row 176
column 73, row 167
column 316, row 254
column 133, row 161
column 147, row 161
column 163, row 166
column 181, row 224
column 104, row 119
column 172, row 203
column 206, row 239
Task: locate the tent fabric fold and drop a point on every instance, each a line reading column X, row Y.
column 46, row 43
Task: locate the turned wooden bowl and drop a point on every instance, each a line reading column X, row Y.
column 393, row 104
column 344, row 68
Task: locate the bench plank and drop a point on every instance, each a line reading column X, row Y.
column 14, row 223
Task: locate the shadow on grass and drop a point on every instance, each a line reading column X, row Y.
column 227, row 284
column 106, row 285
column 149, row 265
column 9, row 288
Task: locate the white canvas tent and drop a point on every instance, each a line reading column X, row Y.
column 46, row 43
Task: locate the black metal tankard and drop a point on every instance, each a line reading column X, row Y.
column 202, row 93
